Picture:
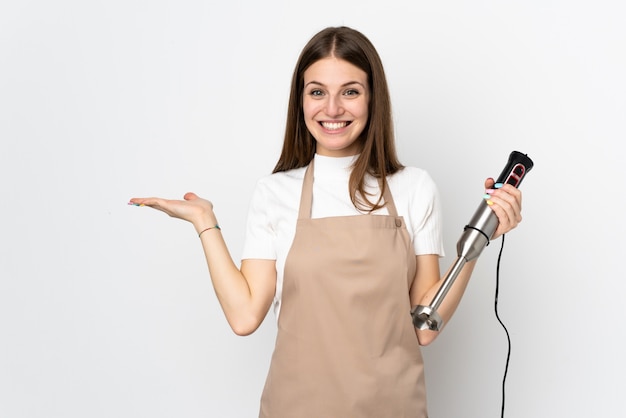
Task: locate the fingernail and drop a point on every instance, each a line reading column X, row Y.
column 486, row 196
column 136, row 204
column 489, row 202
column 498, row 185
column 489, row 191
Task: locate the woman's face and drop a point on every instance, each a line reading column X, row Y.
column 335, row 104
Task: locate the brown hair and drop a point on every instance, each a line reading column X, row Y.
column 378, row 154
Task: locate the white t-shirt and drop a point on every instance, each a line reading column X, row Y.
column 271, row 223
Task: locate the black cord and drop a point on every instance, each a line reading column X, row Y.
column 508, row 337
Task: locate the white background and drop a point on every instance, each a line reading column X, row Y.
column 107, row 310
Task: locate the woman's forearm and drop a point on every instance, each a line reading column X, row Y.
column 244, row 294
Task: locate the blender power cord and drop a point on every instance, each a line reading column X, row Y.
column 508, row 337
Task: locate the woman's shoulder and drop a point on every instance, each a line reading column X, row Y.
column 281, row 184
column 413, row 177
column 412, row 171
column 412, row 186
column 282, row 177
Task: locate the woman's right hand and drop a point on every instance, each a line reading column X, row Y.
column 193, row 209
column 245, row 293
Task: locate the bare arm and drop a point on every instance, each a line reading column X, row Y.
column 245, row 294
column 427, row 284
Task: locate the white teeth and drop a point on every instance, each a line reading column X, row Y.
column 334, row 125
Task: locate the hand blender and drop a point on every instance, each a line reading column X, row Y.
column 475, row 238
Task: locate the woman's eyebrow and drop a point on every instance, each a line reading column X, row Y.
column 349, row 83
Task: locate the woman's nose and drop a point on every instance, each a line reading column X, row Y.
column 334, row 106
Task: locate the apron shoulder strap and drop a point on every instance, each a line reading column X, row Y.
column 391, row 206
column 306, row 197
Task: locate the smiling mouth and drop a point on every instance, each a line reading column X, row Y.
column 333, row 126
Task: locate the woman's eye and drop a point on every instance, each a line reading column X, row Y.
column 351, row 92
column 316, row 93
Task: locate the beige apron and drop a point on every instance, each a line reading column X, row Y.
column 346, row 346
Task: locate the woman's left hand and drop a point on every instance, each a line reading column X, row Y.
column 506, row 203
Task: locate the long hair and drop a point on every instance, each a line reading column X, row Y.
column 378, row 156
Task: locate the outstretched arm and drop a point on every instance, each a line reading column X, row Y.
column 245, row 294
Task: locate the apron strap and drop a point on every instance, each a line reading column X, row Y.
column 391, row 206
column 306, row 198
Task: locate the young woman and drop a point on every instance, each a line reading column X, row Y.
column 342, row 240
